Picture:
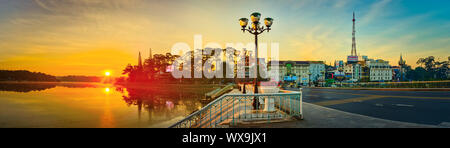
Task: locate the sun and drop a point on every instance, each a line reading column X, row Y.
column 107, row 73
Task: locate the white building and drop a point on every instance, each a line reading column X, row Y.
column 380, row 70
column 299, row 72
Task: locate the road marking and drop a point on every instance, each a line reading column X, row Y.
column 404, row 105
column 335, row 102
column 416, row 97
column 446, row 124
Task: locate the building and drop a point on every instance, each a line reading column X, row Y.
column 364, row 58
column 298, row 72
column 353, row 72
column 338, row 64
column 359, row 68
column 290, row 71
column 379, row 70
column 317, row 71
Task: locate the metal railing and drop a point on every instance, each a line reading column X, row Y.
column 231, row 109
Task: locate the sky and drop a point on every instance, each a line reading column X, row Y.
column 87, row 37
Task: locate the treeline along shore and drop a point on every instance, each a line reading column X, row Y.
column 28, row 76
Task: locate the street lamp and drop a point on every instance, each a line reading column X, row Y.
column 256, row 29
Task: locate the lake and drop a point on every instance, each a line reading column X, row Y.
column 97, row 105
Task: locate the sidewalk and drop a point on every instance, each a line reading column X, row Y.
column 321, row 117
column 316, row 116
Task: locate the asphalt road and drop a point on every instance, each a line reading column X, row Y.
column 423, row 107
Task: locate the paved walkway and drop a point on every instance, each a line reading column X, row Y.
column 321, row 117
column 316, row 116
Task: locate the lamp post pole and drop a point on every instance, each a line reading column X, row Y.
column 256, row 29
column 257, row 64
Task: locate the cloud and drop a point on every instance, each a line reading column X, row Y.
column 81, row 63
column 341, row 3
column 43, row 5
column 306, row 30
column 376, row 10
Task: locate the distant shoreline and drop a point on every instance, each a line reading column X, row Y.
column 48, row 82
column 60, row 83
column 127, row 84
column 28, row 76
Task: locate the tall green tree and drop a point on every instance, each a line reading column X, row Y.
column 428, row 62
column 429, row 69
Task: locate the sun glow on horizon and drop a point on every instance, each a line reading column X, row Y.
column 82, row 37
column 107, row 73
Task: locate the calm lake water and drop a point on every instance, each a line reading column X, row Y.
column 96, row 105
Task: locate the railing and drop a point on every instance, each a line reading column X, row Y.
column 230, row 109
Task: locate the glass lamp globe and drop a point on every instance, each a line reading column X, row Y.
column 243, row 22
column 255, row 17
column 268, row 21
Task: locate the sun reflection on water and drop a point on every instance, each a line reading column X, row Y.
column 98, row 105
column 107, row 119
column 107, row 90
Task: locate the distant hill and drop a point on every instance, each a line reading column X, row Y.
column 24, row 75
column 74, row 78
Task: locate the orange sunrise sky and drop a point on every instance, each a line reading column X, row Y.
column 89, row 37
